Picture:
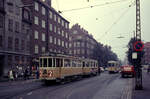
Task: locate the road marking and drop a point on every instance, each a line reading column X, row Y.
column 29, row 93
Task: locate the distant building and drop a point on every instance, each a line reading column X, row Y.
column 81, row 43
column 14, row 36
column 49, row 29
column 146, row 57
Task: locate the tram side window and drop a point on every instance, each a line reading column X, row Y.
column 54, row 62
column 73, row 63
column 83, row 64
column 58, row 62
column 45, row 62
column 50, row 62
column 94, row 64
column 67, row 63
column 41, row 62
column 87, row 64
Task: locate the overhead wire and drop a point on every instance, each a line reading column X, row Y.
column 116, row 21
column 106, row 3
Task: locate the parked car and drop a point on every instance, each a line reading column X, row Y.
column 127, row 70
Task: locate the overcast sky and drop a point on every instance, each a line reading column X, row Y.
column 107, row 21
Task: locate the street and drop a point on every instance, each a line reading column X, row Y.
column 105, row 86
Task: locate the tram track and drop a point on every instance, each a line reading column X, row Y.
column 49, row 90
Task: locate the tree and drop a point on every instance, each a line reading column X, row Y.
column 103, row 54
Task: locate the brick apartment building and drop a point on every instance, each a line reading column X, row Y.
column 146, row 57
column 81, row 43
column 49, row 29
column 14, row 36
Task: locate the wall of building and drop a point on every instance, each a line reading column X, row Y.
column 16, row 49
column 82, row 42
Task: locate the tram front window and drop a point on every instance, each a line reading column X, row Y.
column 45, row 62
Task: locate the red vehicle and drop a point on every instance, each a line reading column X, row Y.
column 127, row 70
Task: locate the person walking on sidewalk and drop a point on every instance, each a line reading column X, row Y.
column 11, row 77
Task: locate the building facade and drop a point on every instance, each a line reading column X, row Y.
column 50, row 31
column 146, row 57
column 15, row 44
column 81, row 42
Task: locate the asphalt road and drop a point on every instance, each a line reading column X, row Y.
column 105, row 86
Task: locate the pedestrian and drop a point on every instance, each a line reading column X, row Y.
column 37, row 74
column 11, row 77
column 25, row 74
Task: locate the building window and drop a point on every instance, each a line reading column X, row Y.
column 62, row 33
column 74, row 32
column 10, row 7
column 17, row 10
column 10, row 25
column 62, row 22
column 74, row 44
column 50, row 39
column 43, row 23
column 36, row 20
column 43, row 36
column 16, row 44
column 58, row 41
column 17, row 27
column 70, row 45
column 1, row 4
column 70, row 38
column 36, row 6
column 1, row 41
column 50, row 27
column 10, row 42
column 58, row 19
column 50, row 14
column 62, row 43
column 54, row 17
column 66, row 45
column 22, row 45
column 36, row 34
column 43, row 49
column 1, row 21
column 55, row 41
column 66, row 35
column 82, row 44
column 43, row 10
column 26, row 14
column 36, row 50
column 66, row 25
column 55, row 29
column 58, row 30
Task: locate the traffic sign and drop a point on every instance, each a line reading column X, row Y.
column 138, row 46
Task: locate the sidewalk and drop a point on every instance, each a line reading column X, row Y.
column 145, row 93
column 6, row 82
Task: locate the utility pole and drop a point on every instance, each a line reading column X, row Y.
column 137, row 64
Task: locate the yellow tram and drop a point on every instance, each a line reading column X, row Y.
column 60, row 67
column 113, row 66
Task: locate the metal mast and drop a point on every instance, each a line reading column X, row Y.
column 138, row 70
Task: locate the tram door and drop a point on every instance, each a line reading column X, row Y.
column 59, row 64
column 1, row 64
